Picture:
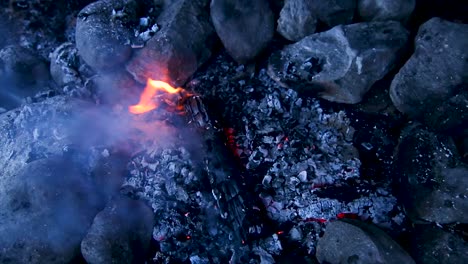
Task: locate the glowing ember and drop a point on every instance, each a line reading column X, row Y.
column 147, row 99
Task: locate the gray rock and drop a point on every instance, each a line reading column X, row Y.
column 336, row 12
column 421, row 89
column 121, row 233
column 433, row 245
column 22, row 74
column 182, row 44
column 341, row 64
column 245, row 27
column 45, row 212
column 380, row 10
column 64, row 65
column 297, row 20
column 103, row 33
column 432, row 179
column 352, row 241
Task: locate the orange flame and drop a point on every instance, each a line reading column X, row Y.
column 147, row 102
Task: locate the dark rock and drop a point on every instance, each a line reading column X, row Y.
column 45, row 211
column 22, row 74
column 333, row 13
column 103, row 33
column 121, row 233
column 341, row 64
column 245, row 27
column 297, row 20
column 433, row 245
column 380, row 10
column 435, row 78
column 432, row 180
column 182, row 44
column 352, row 241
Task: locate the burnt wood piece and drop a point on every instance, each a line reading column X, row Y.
column 219, row 165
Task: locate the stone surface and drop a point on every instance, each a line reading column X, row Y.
column 435, row 78
column 433, row 245
column 245, row 27
column 121, row 233
column 183, row 43
column 297, row 20
column 352, row 241
column 64, row 65
column 432, row 180
column 103, row 33
column 23, row 73
column 380, row 10
column 341, row 64
column 336, row 12
column 45, row 211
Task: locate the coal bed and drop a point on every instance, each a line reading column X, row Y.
column 231, row 131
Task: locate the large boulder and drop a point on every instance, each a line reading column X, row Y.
column 54, row 177
column 45, row 212
column 433, row 182
column 352, row 241
column 104, row 33
column 341, row 64
column 433, row 84
column 182, row 44
column 245, row 27
column 121, row 233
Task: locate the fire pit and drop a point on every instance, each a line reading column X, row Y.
column 231, row 131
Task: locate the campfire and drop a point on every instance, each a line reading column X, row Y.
column 229, row 131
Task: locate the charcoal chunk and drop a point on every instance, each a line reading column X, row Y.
column 121, row 233
column 433, row 245
column 341, row 64
column 380, row 10
column 352, row 241
column 297, row 20
column 245, row 27
column 182, row 44
column 432, row 179
column 64, row 65
column 103, row 33
column 435, row 78
column 45, row 211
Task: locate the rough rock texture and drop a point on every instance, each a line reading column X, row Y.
column 297, row 20
column 121, row 233
column 433, row 245
column 45, row 211
column 245, row 27
column 379, row 10
column 432, row 180
column 433, row 84
column 103, row 33
column 343, row 63
column 335, row 12
column 182, row 44
column 64, row 65
column 357, row 242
